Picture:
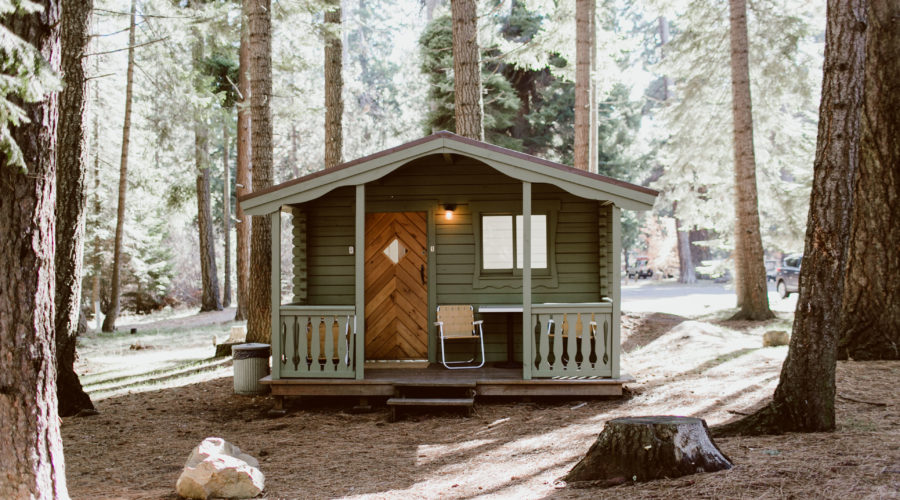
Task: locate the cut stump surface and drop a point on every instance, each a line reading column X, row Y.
column 646, row 448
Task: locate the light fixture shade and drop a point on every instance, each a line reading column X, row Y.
column 448, row 210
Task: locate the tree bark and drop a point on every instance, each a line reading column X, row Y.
column 334, row 84
column 639, row 449
column 584, row 39
column 70, row 202
column 468, row 101
column 209, row 300
column 226, row 213
column 804, row 398
column 259, row 321
column 750, row 269
column 242, row 180
column 31, row 454
column 109, row 322
column 871, row 308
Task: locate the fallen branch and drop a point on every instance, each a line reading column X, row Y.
column 741, row 413
column 873, row 403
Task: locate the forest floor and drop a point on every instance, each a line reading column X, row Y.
column 159, row 395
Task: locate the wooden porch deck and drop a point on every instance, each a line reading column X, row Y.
column 486, row 381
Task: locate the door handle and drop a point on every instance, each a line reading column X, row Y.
column 422, row 273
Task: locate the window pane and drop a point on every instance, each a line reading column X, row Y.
column 497, row 242
column 538, row 242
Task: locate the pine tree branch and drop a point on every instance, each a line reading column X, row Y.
column 126, row 48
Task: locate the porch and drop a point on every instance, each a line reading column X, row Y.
column 569, row 344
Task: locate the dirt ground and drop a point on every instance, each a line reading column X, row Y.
column 136, row 446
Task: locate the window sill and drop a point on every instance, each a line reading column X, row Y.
column 513, row 281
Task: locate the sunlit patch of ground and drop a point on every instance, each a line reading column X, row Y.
column 168, row 350
column 137, row 445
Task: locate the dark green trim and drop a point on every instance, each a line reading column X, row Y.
column 359, row 263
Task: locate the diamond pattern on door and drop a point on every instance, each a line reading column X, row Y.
column 396, row 293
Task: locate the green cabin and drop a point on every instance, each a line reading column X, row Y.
column 380, row 242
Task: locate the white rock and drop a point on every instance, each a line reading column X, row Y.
column 217, row 468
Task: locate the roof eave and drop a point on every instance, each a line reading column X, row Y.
column 517, row 165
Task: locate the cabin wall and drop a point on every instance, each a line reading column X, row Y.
column 330, row 265
column 582, row 230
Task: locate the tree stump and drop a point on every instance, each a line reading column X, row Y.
column 645, row 448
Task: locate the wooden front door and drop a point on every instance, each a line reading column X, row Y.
column 396, row 293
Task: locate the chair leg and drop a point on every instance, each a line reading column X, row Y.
column 448, row 363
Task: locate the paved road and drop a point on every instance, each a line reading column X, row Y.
column 690, row 300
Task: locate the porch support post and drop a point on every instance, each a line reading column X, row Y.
column 527, row 327
column 275, row 221
column 616, row 287
column 359, row 253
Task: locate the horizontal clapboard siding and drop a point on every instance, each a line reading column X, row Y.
column 331, row 272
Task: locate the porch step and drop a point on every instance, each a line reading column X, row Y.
column 441, row 384
column 431, row 401
column 432, row 395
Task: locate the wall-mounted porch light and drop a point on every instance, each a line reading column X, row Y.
column 448, row 211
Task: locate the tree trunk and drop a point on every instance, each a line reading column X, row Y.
column 594, row 132
column 686, row 271
column 109, row 322
column 293, row 158
column 31, row 453
column 210, row 295
column 259, row 320
column 226, row 213
column 663, row 40
column 584, row 39
column 96, row 259
column 804, row 398
column 209, row 300
column 242, row 180
column 468, row 101
column 334, row 84
column 70, row 203
column 699, row 253
column 749, row 265
column 871, row 307
column 641, row 449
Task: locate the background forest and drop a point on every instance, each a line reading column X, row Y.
column 664, row 115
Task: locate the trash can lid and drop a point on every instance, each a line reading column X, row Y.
column 251, row 350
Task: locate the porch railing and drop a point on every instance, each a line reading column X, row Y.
column 316, row 341
column 572, row 340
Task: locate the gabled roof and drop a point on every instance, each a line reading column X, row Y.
column 512, row 163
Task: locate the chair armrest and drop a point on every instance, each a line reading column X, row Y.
column 480, row 321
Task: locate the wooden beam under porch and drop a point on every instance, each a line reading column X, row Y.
column 486, row 381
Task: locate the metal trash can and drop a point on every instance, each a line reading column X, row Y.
column 251, row 363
